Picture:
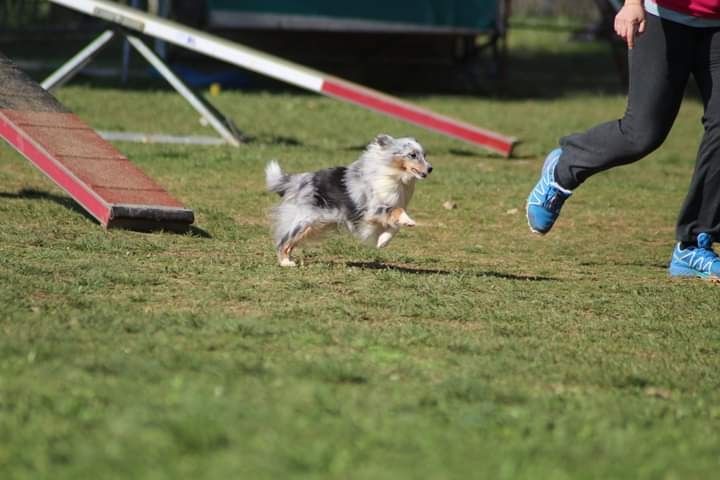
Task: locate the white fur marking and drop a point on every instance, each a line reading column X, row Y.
column 384, row 239
column 273, row 176
column 405, row 220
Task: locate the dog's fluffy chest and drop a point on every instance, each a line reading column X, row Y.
column 391, row 192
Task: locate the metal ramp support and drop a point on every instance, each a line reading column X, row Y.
column 223, row 126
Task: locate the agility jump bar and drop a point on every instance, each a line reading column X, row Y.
column 292, row 73
column 103, row 181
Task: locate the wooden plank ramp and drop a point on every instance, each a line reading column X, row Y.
column 91, row 170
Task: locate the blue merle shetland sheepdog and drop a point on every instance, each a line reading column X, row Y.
column 368, row 197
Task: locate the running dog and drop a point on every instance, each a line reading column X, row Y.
column 368, row 197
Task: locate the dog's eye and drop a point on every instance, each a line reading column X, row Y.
column 413, row 155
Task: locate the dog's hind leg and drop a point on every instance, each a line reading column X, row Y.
column 284, row 257
column 288, row 244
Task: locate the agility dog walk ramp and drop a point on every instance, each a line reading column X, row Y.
column 309, row 79
column 78, row 160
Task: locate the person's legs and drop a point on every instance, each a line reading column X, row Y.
column 699, row 221
column 701, row 210
column 659, row 67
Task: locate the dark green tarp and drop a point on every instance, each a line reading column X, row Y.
column 466, row 14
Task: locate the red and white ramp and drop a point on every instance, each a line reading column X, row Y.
column 289, row 72
column 78, row 160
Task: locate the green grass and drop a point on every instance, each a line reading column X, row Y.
column 153, row 356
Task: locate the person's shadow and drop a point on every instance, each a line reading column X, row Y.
column 432, row 271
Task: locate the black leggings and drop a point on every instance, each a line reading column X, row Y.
column 660, row 65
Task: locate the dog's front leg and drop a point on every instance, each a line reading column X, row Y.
column 400, row 217
column 385, row 237
column 392, row 217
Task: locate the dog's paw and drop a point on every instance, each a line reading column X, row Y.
column 384, row 239
column 286, row 262
column 405, row 220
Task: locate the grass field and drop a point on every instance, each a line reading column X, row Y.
column 467, row 349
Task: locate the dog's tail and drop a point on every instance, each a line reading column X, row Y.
column 275, row 178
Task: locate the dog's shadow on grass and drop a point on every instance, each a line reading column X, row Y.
column 72, row 205
column 432, row 271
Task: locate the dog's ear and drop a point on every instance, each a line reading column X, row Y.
column 383, row 140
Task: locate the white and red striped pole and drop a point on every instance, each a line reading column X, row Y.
column 289, row 72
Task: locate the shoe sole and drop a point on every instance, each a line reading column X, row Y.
column 527, row 217
column 680, row 278
column 682, row 272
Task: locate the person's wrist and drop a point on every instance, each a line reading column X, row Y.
column 636, row 3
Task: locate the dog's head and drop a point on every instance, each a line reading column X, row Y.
column 405, row 155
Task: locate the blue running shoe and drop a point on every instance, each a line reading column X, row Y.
column 547, row 198
column 700, row 261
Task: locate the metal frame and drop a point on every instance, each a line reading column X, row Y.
column 223, row 126
column 68, row 70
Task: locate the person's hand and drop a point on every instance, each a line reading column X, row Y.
column 630, row 21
